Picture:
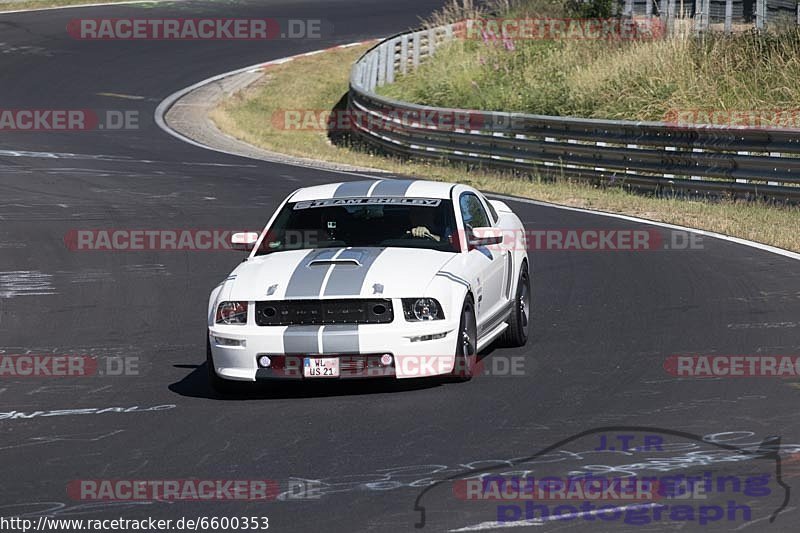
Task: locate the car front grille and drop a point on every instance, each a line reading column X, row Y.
column 321, row 312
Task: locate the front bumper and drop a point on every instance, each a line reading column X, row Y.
column 418, row 349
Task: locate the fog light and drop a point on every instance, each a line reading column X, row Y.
column 386, row 359
column 264, row 361
column 222, row 341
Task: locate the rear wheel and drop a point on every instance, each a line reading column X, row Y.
column 519, row 322
column 467, row 343
column 220, row 385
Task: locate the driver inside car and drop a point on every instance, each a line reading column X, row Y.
column 423, row 221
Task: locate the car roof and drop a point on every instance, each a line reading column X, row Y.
column 375, row 188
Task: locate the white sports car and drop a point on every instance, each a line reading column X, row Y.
column 398, row 278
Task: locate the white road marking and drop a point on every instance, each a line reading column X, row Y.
column 752, row 522
column 704, row 233
column 123, row 96
column 26, row 283
column 87, row 5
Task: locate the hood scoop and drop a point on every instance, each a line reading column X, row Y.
column 329, row 262
column 351, row 257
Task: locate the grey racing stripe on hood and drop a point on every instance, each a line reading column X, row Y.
column 347, row 280
column 353, row 188
column 392, row 188
column 306, row 281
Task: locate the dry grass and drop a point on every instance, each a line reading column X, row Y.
column 318, row 82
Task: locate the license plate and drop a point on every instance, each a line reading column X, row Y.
column 314, row 367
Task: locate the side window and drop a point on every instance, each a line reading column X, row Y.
column 472, row 211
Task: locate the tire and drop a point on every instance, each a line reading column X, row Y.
column 516, row 334
column 467, row 342
column 220, row 385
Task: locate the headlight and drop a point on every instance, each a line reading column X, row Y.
column 232, row 313
column 418, row 309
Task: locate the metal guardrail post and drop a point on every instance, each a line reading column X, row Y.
column 761, row 14
column 627, row 11
column 671, row 16
column 701, row 16
column 374, row 74
column 728, row 16
column 381, row 64
column 416, row 51
column 390, row 53
column 404, row 54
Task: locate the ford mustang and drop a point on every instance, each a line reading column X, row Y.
column 386, row 278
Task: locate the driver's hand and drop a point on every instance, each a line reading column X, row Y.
column 423, row 232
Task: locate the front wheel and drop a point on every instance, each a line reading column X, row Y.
column 516, row 334
column 466, row 343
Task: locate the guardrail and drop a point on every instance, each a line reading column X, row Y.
column 739, row 161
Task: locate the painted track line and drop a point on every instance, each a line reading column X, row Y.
column 629, row 218
column 98, row 4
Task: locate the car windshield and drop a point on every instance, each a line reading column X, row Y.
column 364, row 222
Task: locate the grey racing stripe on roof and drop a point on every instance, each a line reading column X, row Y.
column 306, row 281
column 346, row 280
column 392, row 188
column 353, row 188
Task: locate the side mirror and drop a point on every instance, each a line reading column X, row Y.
column 484, row 237
column 244, row 241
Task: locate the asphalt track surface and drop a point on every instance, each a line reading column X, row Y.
column 604, row 323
